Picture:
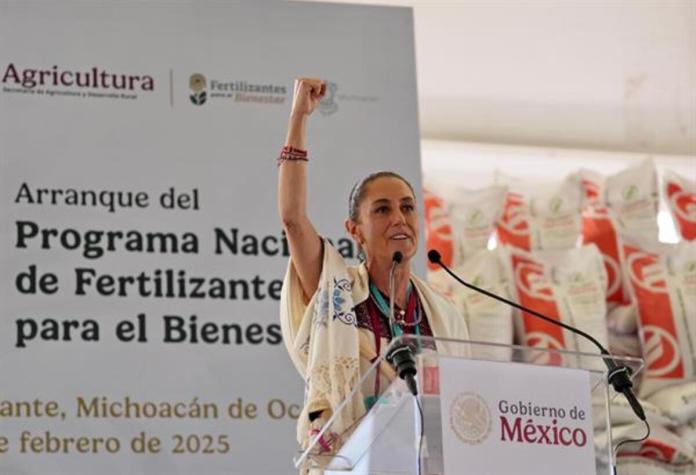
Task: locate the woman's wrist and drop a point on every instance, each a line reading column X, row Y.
column 297, row 123
column 296, row 132
column 298, row 117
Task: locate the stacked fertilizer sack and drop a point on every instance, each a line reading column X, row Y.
column 460, row 227
column 584, row 251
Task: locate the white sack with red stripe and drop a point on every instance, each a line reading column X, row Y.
column 663, row 282
column 622, row 328
column 540, row 216
column 622, row 414
column 460, row 221
column 567, row 286
column 624, row 202
column 474, row 214
column 438, row 228
column 681, row 201
column 635, row 465
column 688, row 432
column 661, row 445
column 678, row 402
column 489, row 320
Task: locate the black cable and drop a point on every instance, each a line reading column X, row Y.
column 422, row 435
column 618, row 376
column 524, row 309
column 628, row 441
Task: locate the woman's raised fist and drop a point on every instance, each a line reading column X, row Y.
column 307, row 94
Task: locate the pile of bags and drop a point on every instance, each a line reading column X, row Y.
column 584, row 251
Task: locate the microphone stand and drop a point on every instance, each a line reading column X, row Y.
column 402, row 358
column 401, row 355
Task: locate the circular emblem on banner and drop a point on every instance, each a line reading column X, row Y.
column 661, row 351
column 684, row 204
column 515, row 218
column 646, row 272
column 470, row 418
column 613, row 274
column 531, row 280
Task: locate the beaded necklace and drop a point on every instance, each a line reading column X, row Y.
column 401, row 319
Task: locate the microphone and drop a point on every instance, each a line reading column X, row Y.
column 618, row 377
column 401, row 355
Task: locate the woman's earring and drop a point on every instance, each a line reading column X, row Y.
column 361, row 255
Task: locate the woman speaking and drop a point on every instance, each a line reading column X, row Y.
column 335, row 317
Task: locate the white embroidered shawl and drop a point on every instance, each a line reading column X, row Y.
column 324, row 342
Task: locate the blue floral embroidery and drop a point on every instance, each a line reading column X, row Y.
column 342, row 286
column 321, row 310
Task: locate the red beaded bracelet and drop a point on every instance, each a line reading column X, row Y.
column 325, row 441
column 292, row 153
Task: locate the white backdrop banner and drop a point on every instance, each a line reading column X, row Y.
column 142, row 255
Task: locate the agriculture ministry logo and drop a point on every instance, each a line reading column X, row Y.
column 94, row 82
column 198, row 86
column 470, row 418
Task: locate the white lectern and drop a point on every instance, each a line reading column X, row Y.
column 460, row 383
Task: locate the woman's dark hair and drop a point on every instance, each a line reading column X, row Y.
column 357, row 193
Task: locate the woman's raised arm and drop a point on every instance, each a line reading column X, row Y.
column 305, row 244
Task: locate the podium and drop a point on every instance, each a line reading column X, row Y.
column 554, row 415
